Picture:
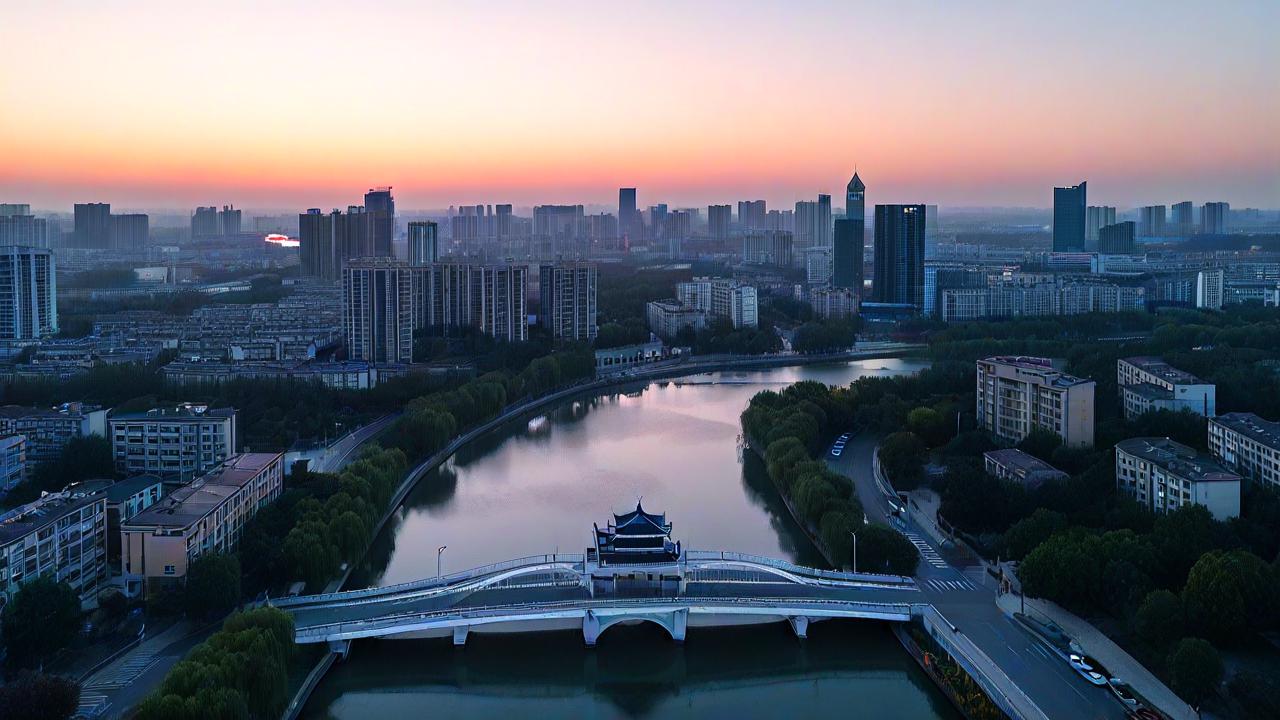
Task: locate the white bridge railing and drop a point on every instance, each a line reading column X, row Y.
column 783, row 605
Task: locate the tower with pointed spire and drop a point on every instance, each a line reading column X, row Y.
column 846, row 247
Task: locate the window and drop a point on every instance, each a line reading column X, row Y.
column 170, row 570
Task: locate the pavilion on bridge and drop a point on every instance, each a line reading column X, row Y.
column 636, row 537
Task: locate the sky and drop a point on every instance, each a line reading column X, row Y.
column 289, row 105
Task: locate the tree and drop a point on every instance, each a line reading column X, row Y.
column 1159, row 620
column 1229, row 594
column 884, row 550
column 1040, row 442
column 1195, row 669
column 42, row 618
column 35, row 696
column 929, row 425
column 213, row 586
column 1023, row 536
column 902, row 457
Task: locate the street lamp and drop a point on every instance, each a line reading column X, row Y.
column 854, row 556
column 438, row 554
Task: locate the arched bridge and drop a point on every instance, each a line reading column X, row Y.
column 559, row 592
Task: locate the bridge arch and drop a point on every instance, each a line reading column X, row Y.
column 594, row 625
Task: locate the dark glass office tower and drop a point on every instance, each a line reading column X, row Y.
column 627, row 215
column 846, row 250
column 1068, row 218
column 898, row 274
column 381, row 209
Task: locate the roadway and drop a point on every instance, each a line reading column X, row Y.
column 966, row 596
column 343, row 450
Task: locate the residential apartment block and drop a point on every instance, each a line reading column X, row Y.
column 666, row 317
column 48, row 430
column 61, row 534
column 1018, row 394
column 1149, row 383
column 1248, row 445
column 181, row 442
column 1163, row 476
column 567, row 300
column 206, row 516
column 13, row 462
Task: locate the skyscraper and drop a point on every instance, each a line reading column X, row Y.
column 380, row 210
column 846, row 257
column 92, row 225
column 424, row 243
column 1151, row 221
column 11, row 209
column 377, row 311
column 502, row 222
column 315, row 244
column 898, row 275
column 28, row 292
column 351, row 235
column 719, row 217
column 628, row 218
column 1213, row 218
column 1096, row 216
column 824, row 228
column 1069, row 218
column 229, row 220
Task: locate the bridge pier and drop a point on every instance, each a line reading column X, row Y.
column 676, row 623
column 341, row 648
column 460, row 634
column 800, row 625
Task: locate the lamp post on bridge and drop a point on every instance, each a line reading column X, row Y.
column 439, row 552
column 854, row 555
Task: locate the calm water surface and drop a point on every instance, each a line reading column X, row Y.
column 537, row 486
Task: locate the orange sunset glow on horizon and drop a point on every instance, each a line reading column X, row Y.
column 288, row 105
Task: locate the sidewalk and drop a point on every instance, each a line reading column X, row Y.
column 1118, row 662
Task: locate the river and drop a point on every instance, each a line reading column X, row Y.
column 537, row 486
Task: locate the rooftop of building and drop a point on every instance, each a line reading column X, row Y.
column 1175, row 457
column 63, row 410
column 183, row 411
column 193, row 501
column 1149, row 391
column 1041, row 366
column 1266, row 432
column 28, row 518
column 1165, row 371
column 1019, row 461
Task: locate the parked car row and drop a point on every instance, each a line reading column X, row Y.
column 1093, row 671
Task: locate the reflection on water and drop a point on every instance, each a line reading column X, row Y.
column 531, row 488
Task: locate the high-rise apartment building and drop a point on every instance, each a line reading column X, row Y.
column 719, row 219
column 424, row 242
column 377, row 311
column 491, row 298
column 1151, row 221
column 11, row 209
column 813, row 223
column 770, row 247
column 380, row 208
column 205, row 223
column 1069, row 218
column 28, row 293
column 130, row 231
column 315, row 245
column 25, row 230
column 1016, row 395
column 1095, row 218
column 1213, row 218
column 898, row 264
column 502, row 225
column 92, row 225
column 175, row 443
column 752, row 214
column 351, row 238
column 567, row 300
column 1180, row 217
column 229, row 221
column 1118, row 239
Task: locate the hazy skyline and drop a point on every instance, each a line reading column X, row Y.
column 308, row 104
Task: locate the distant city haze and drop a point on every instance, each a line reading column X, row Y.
column 308, row 104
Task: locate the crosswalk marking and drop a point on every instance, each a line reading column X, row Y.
column 927, row 552
column 125, row 674
column 91, row 705
column 951, row 585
